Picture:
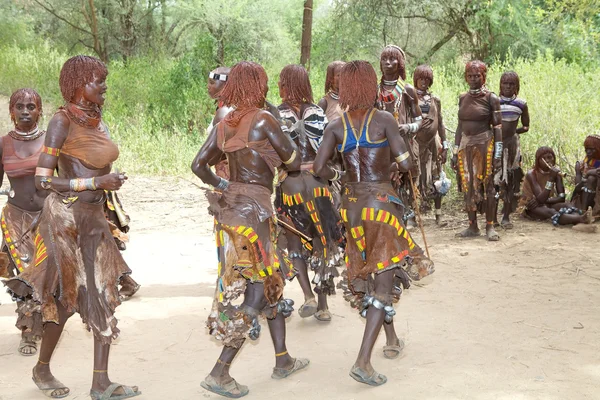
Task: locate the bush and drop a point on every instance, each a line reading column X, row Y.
column 157, row 108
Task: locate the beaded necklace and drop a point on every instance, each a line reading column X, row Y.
column 26, row 136
column 88, row 118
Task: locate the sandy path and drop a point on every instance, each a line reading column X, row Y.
column 516, row 319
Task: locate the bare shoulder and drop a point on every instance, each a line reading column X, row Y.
column 410, row 89
column 264, row 120
column 384, row 117
column 323, row 103
column 58, row 121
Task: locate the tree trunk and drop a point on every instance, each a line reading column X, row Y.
column 306, row 34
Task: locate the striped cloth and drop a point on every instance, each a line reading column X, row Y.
column 512, row 108
column 314, row 120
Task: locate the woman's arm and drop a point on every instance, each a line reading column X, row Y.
column 48, row 161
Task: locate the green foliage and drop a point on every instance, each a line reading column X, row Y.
column 561, row 98
column 158, row 108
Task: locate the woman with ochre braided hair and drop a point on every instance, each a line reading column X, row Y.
column 20, row 150
column 514, row 109
column 305, row 200
column 478, row 152
column 544, row 193
column 381, row 255
column 249, row 261
column 431, row 138
column 83, row 264
column 400, row 99
column 329, row 102
column 587, row 176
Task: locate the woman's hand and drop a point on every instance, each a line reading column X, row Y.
column 454, row 162
column 112, row 181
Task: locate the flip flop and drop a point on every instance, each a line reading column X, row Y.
column 374, row 379
column 227, row 390
column 50, row 387
column 308, row 308
column 395, row 349
column 25, row 344
column 107, row 394
column 467, row 233
column 507, row 225
column 299, row 363
column 323, row 315
column 125, row 297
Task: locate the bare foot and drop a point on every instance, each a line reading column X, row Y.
column 492, row 235
column 588, row 218
column 471, row 231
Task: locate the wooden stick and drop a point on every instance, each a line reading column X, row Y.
column 562, row 174
column 418, row 213
column 294, row 230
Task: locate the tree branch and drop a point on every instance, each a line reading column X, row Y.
column 55, row 14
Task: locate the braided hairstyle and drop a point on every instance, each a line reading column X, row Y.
column 358, row 86
column 77, row 72
column 332, row 69
column 295, row 79
column 511, row 76
column 391, row 50
column 18, row 95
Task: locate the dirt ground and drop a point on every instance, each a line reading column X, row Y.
column 516, row 319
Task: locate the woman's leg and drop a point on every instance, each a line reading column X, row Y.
column 375, row 317
column 41, row 372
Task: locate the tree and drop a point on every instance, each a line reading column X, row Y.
column 306, row 34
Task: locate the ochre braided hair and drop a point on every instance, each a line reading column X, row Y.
column 541, row 152
column 245, row 89
column 19, row 94
column 593, row 142
column 332, row 69
column 423, row 71
column 77, row 72
column 391, row 50
column 358, row 86
column 511, row 75
column 479, row 66
column 295, row 79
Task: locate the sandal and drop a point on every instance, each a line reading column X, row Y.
column 127, row 294
column 299, row 363
column 130, row 391
column 308, row 308
column 468, row 233
column 48, row 388
column 323, row 315
column 392, row 351
column 374, row 379
column 227, row 390
column 27, row 344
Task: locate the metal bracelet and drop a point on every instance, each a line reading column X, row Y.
column 292, row 158
column 223, row 184
column 446, row 145
column 337, row 175
column 561, row 195
column 499, row 147
column 402, row 157
column 549, row 185
column 45, row 182
column 419, row 118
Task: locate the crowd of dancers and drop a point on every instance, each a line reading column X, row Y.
column 334, row 187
